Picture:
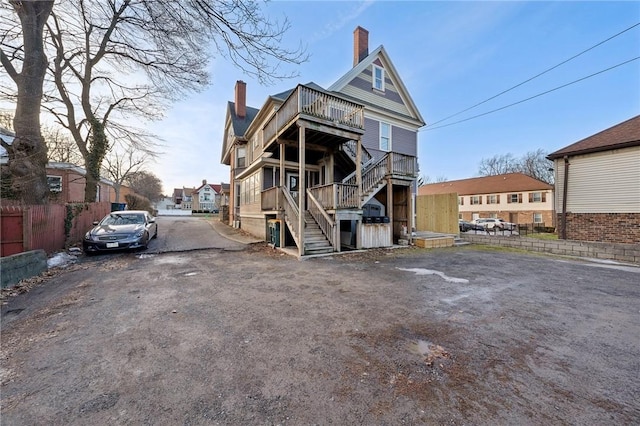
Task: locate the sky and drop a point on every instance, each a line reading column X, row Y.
column 450, row 55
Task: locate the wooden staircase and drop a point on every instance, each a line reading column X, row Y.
column 314, row 240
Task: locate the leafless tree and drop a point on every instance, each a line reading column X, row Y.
column 425, row 180
column 498, row 165
column 23, row 57
column 115, row 60
column 146, row 184
column 533, row 163
column 536, row 165
column 60, row 147
column 120, row 164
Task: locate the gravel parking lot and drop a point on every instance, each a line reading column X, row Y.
column 465, row 335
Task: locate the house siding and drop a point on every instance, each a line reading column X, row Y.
column 605, row 182
column 403, row 141
column 361, row 88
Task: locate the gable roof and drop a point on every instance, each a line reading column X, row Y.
column 509, row 182
column 621, row 135
column 215, row 187
column 240, row 124
column 380, row 54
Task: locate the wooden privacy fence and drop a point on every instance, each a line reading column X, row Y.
column 49, row 227
column 437, row 213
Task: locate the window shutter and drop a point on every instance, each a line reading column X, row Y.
column 519, row 198
column 544, row 197
column 498, row 199
column 480, row 199
column 531, row 197
column 509, row 198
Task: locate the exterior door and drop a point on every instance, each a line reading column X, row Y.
column 293, row 182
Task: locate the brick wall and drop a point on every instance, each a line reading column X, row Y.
column 611, row 251
column 602, row 227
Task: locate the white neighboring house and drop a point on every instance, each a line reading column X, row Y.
column 598, row 186
column 207, row 197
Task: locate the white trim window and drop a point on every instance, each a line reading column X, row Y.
column 378, row 78
column 241, row 156
column 537, row 218
column 55, row 183
column 385, row 136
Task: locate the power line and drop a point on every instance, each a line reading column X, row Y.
column 534, row 96
column 535, row 76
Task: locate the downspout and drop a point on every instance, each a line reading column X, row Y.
column 564, row 198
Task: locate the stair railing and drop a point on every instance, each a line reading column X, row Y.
column 291, row 214
column 322, row 218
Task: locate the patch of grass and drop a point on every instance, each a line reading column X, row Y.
column 543, row 236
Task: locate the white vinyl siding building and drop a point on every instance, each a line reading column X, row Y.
column 602, row 182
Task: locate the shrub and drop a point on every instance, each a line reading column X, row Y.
column 138, row 202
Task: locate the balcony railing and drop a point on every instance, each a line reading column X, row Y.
column 404, row 165
column 314, row 103
column 270, row 199
column 336, row 196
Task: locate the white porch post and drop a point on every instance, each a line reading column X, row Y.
column 301, row 186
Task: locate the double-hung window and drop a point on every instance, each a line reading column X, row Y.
column 241, row 156
column 378, row 78
column 385, row 136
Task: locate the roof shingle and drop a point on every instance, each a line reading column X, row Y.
column 509, row 182
column 621, row 135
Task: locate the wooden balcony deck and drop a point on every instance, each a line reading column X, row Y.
column 318, row 107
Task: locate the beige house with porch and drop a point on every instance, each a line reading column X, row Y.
column 325, row 170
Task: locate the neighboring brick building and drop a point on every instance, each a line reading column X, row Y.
column 514, row 197
column 598, row 186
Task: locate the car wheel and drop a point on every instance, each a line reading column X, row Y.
column 156, row 234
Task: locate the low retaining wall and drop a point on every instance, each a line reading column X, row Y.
column 611, row 251
column 22, row 265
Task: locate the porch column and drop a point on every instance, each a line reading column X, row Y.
column 281, row 184
column 359, row 169
column 390, row 207
column 410, row 212
column 330, row 165
column 302, row 185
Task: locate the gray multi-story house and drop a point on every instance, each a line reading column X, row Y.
column 326, row 169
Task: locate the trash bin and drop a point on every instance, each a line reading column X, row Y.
column 274, row 232
column 116, row 207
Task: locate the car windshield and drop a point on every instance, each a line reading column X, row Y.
column 123, row 219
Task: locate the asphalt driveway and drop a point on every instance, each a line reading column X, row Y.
column 465, row 335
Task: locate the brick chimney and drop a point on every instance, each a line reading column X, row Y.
column 241, row 99
column 360, row 45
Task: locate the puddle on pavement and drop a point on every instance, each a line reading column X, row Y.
column 190, row 274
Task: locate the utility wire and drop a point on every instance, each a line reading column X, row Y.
column 535, row 76
column 534, row 96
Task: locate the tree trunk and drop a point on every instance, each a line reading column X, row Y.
column 28, row 153
column 97, row 152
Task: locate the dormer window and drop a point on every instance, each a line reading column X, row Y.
column 378, row 78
